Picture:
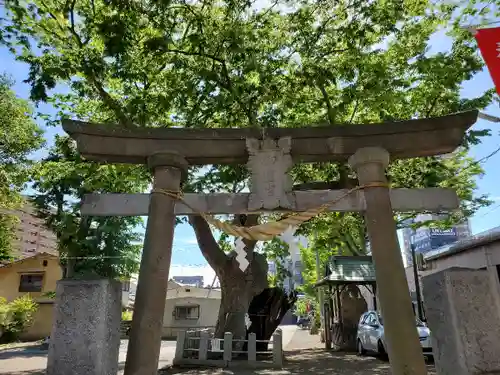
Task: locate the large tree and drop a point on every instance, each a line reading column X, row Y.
column 229, row 64
column 88, row 246
column 19, row 137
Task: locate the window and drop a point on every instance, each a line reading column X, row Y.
column 370, row 319
column 31, row 283
column 187, row 312
column 363, row 318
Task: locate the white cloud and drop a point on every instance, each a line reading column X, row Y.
column 188, row 241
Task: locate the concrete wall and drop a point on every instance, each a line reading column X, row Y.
column 177, row 296
column 485, row 256
column 42, row 325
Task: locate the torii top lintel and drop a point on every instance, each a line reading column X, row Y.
column 402, row 139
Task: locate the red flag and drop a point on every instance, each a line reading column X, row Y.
column 488, row 41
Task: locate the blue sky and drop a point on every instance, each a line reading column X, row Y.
column 187, row 258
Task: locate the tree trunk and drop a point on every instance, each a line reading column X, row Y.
column 352, row 306
column 266, row 312
column 238, row 288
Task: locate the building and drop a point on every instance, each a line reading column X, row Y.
column 190, row 280
column 35, row 275
column 188, row 307
column 292, row 263
column 427, row 239
column 32, row 236
column 481, row 251
column 35, row 270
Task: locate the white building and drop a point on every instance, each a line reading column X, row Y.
column 188, row 307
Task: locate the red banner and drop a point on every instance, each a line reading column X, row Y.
column 488, row 41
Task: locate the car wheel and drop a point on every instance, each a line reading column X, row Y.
column 361, row 350
column 380, row 348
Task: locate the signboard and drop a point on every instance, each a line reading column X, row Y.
column 427, row 239
column 441, row 237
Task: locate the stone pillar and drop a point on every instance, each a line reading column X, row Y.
column 403, row 346
column 464, row 323
column 146, row 330
column 85, row 338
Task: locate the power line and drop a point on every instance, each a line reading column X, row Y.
column 482, row 160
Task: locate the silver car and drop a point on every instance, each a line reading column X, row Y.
column 370, row 336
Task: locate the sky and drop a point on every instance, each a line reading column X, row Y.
column 187, row 258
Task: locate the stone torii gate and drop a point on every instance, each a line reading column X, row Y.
column 367, row 148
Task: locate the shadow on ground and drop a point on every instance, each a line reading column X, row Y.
column 314, row 361
column 24, row 352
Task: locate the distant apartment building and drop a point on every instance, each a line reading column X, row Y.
column 32, row 236
column 428, row 239
column 196, row 281
column 293, row 264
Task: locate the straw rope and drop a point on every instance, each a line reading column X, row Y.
column 266, row 231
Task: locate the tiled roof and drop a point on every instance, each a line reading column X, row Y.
column 15, row 261
column 349, row 269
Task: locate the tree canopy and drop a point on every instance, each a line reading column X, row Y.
column 93, row 246
column 19, row 137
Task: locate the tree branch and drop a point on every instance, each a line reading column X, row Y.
column 326, row 98
column 109, row 101
column 210, row 250
column 354, row 111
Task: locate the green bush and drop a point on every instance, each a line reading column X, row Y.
column 16, row 316
column 4, row 314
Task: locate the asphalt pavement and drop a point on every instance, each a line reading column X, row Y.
column 35, row 359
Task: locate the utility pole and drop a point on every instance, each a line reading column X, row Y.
column 417, row 283
column 320, row 291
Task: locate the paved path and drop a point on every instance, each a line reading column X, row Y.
column 303, row 355
column 308, row 361
column 35, row 360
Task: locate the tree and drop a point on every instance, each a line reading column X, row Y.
column 19, row 137
column 222, row 64
column 88, row 246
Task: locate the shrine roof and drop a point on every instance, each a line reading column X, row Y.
column 402, row 139
column 342, row 270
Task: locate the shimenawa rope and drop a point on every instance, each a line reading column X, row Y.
column 266, row 231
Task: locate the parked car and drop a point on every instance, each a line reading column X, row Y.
column 370, row 336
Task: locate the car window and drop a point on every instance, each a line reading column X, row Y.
column 363, row 318
column 370, row 319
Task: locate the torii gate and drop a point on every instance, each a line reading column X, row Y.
column 367, row 148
